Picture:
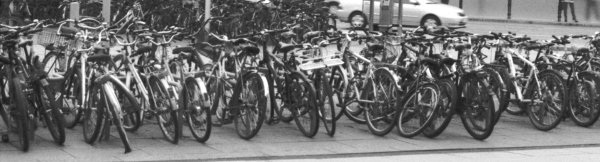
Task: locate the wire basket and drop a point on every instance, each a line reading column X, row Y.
column 48, row 36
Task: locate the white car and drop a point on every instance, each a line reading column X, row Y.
column 416, row 13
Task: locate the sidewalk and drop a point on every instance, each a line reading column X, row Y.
column 284, row 141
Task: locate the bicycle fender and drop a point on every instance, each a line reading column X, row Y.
column 203, row 90
column 265, row 84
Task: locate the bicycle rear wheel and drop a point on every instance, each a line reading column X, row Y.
column 418, row 109
column 381, row 115
column 164, row 107
column 548, row 113
column 477, row 113
column 302, row 97
column 252, row 105
column 68, row 98
column 196, row 108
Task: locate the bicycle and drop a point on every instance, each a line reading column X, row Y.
column 28, row 96
column 239, row 96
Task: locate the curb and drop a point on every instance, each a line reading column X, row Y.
column 533, row 22
column 391, row 153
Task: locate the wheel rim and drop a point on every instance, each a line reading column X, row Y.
column 381, row 114
column 430, row 22
column 198, row 117
column 550, row 111
column 477, row 107
column 358, row 21
column 249, row 119
column 417, row 109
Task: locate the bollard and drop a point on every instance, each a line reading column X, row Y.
column 106, row 11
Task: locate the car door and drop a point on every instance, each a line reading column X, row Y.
column 411, row 13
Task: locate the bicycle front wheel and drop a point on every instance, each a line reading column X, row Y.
column 252, row 105
column 326, row 103
column 477, row 113
column 584, row 109
column 448, row 100
column 164, row 108
column 15, row 114
column 116, row 113
column 381, row 114
column 302, row 105
column 196, row 108
column 418, row 109
column 93, row 114
column 52, row 117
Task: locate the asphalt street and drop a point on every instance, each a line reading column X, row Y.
column 514, row 138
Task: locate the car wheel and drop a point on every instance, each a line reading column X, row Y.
column 358, row 19
column 431, row 20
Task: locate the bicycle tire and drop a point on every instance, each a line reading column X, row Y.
column 355, row 113
column 285, row 113
column 257, row 110
column 132, row 121
column 53, row 118
column 54, row 60
column 593, row 112
column 556, row 85
column 504, row 74
column 300, row 86
column 114, row 107
column 18, row 114
column 448, row 101
column 165, row 111
column 498, row 86
column 68, row 98
column 421, row 124
column 196, row 108
column 382, row 114
column 475, row 91
column 339, row 82
column 326, row 103
column 93, row 114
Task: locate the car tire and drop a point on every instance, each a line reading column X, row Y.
column 358, row 15
column 431, row 19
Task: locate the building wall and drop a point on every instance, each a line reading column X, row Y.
column 536, row 10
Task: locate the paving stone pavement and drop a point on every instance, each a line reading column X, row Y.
column 284, row 141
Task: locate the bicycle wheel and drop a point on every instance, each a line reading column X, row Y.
column 354, row 111
column 54, row 63
column 164, row 107
column 339, row 83
column 585, row 110
column 381, row 115
column 68, row 98
column 510, row 87
column 93, row 114
column 52, row 117
column 302, row 96
column 196, row 108
column 16, row 116
column 477, row 113
column 417, row 109
column 133, row 119
column 326, row 103
column 548, row 113
column 282, row 95
column 116, row 113
column 252, row 103
column 497, row 86
column 447, row 107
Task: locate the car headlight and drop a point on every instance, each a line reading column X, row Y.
column 461, row 14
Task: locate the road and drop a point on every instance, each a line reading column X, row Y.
column 513, row 137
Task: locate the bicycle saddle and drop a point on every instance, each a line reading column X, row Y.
column 375, row 46
column 286, row 48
